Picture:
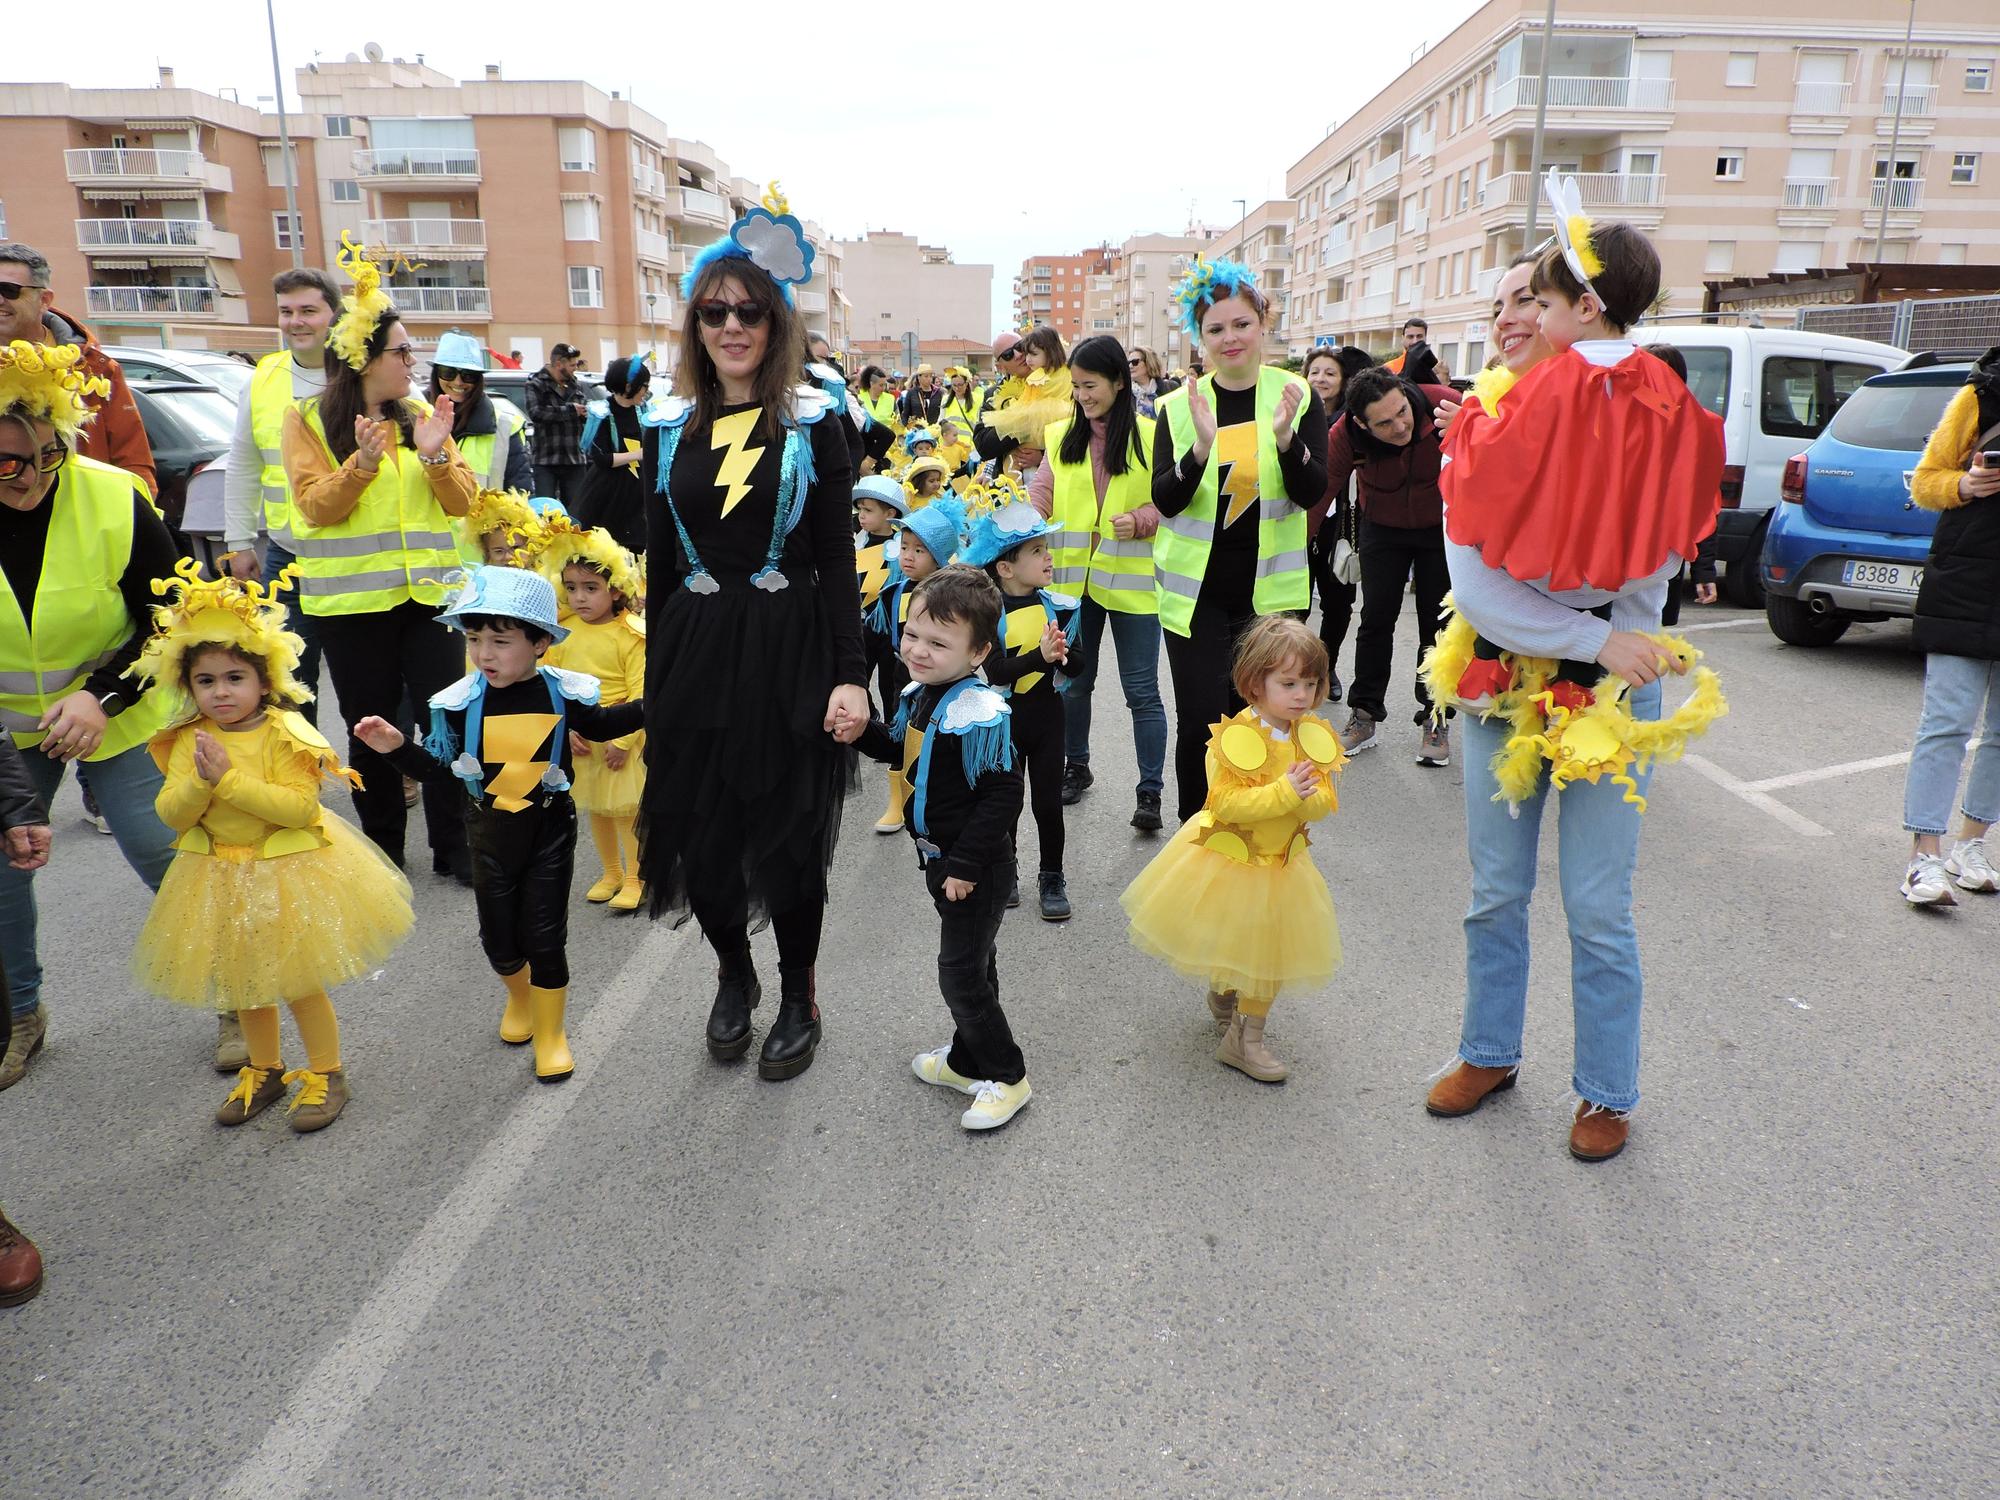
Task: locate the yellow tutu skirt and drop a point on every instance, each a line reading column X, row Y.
column 1254, row 929
column 611, row 794
column 230, row 931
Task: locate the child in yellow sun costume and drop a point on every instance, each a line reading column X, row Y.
column 1234, row 899
column 600, row 586
column 269, row 897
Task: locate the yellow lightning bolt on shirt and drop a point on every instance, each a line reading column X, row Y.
column 1023, row 635
column 871, row 568
column 1236, row 451
column 733, row 475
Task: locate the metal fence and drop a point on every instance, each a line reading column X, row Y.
column 1930, row 323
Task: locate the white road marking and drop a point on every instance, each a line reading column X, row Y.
column 1798, row 822
column 324, row 1405
column 1718, row 624
column 1828, row 773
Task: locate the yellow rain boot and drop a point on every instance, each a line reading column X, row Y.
column 891, row 820
column 517, row 1022
column 553, row 1062
column 604, row 833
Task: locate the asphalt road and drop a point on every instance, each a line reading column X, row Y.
column 667, row 1278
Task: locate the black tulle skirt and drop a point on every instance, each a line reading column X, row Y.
column 743, row 784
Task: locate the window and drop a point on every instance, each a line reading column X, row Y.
column 1404, row 285
column 1892, row 416
column 1796, row 255
column 1979, row 75
column 1721, row 259
column 339, row 125
column 3, row 221
column 1464, row 190
column 1792, row 399
column 1951, row 253
column 346, row 190
column 578, row 144
column 1742, row 73
column 586, row 286
column 1457, row 272
column 1964, row 168
column 1708, row 376
column 285, row 228
column 580, row 219
column 274, row 164
column 1729, row 164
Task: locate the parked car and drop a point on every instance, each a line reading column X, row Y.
column 144, row 366
column 1774, row 389
column 1848, row 543
column 189, row 427
column 512, row 386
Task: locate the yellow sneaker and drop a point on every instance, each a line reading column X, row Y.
column 932, row 1068
column 994, row 1104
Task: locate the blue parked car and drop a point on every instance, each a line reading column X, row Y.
column 1847, row 542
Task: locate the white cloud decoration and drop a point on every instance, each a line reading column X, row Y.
column 777, row 245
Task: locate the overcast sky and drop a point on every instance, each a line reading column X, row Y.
column 1065, row 126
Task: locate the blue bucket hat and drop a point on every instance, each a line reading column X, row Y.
column 999, row 532
column 940, row 526
column 885, row 491
column 512, row 592
column 459, row 351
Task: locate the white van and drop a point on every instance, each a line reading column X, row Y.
column 1774, row 389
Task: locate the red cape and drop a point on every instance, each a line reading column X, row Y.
column 1589, row 476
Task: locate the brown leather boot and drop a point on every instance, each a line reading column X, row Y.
column 1466, row 1087
column 1243, row 1049
column 1222, row 1005
column 20, row 1266
column 1598, row 1134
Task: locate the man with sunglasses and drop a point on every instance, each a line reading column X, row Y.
column 28, row 312
column 556, row 406
column 1011, row 359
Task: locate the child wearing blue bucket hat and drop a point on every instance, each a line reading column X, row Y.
column 925, row 542
column 502, row 731
column 879, row 503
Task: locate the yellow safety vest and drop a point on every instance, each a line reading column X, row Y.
column 395, row 546
column 1182, row 544
column 955, row 410
column 1089, row 559
column 270, row 398
column 485, row 453
column 80, row 617
column 883, row 409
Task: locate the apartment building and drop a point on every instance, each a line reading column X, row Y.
column 1142, row 301
column 897, row 285
column 1055, row 289
column 1743, row 144
column 1262, row 240
column 524, row 213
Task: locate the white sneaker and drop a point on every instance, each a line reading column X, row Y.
column 932, row 1068
column 1970, row 866
column 1925, row 883
column 994, row 1104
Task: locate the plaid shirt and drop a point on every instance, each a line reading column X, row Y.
column 558, row 425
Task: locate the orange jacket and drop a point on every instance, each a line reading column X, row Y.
column 117, row 435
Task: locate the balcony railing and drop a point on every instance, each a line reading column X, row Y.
column 1598, row 189
column 95, row 161
column 1918, row 99
column 654, row 247
column 1373, row 305
column 1822, row 98
column 1419, row 144
column 1586, row 93
column 812, row 302
column 418, row 161
column 146, row 234
column 1808, row 192
column 1380, row 238
column 1900, row 192
column 650, row 181
column 442, row 301
column 700, row 203
column 1342, row 194
column 151, row 301
column 1485, row 282
column 1383, row 170
column 425, row 234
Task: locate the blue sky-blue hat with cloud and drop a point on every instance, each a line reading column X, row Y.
column 770, row 238
column 512, row 592
column 1000, row 531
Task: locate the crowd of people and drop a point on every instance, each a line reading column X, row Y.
column 666, row 610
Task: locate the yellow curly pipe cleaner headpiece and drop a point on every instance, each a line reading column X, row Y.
column 499, row 510
column 225, row 611
column 551, row 542
column 362, row 308
column 45, row 382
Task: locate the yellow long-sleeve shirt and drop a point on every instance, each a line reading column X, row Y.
column 1948, row 455
column 272, row 783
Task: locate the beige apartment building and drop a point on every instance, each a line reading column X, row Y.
column 1742, row 143
column 1262, row 240
column 525, row 213
column 1055, row 289
column 1143, row 309
column 897, row 286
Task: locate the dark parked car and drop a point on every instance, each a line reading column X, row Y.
column 190, row 427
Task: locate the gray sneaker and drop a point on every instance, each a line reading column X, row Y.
column 1435, row 747
column 1359, row 734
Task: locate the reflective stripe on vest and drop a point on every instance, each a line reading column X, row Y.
column 1089, row 559
column 80, row 622
column 270, row 398
column 1182, row 544
column 394, row 546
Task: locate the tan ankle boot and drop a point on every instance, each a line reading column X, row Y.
column 1222, row 1005
column 1243, row 1049
column 1465, row 1087
column 231, row 1051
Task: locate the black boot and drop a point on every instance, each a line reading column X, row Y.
column 794, row 1036
column 736, row 995
column 1055, row 896
column 1014, row 893
column 1146, row 814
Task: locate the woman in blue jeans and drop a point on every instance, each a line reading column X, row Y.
column 1958, row 628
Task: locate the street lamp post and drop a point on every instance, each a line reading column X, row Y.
column 1541, row 120
column 1895, row 136
column 285, row 146
column 652, row 328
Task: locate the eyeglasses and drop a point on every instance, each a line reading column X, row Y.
column 1135, row 363
column 407, row 353
column 448, row 376
column 14, row 465
column 10, row 290
column 715, row 314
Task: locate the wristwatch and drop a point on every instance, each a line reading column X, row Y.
column 105, row 700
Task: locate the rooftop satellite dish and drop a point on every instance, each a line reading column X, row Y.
column 352, row 57
column 373, row 51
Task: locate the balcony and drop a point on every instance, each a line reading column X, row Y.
column 1822, row 107
column 1919, row 109
column 1901, row 193
column 650, row 181
column 1372, row 307
column 439, row 303
column 1485, row 283
column 423, row 165
column 151, row 301
column 1639, row 197
column 1378, row 239
column 1621, row 101
column 181, row 236
column 108, row 167
column 1419, row 145
column 655, row 248
column 446, row 237
column 811, row 302
column 1340, row 196
column 1808, row 202
column 699, row 203
column 1382, row 173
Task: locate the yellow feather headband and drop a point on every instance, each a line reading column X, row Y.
column 45, row 382
column 552, row 542
column 246, row 617
column 363, row 307
column 499, row 510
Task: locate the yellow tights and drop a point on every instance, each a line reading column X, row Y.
column 1255, row 1005
column 312, row 1014
column 617, row 840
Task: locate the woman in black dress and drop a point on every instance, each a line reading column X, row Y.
column 615, row 446
column 754, row 655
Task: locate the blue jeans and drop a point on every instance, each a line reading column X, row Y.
column 1954, row 688
column 1599, row 844
column 276, row 560
column 125, row 787
column 1137, row 638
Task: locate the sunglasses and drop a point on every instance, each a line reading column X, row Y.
column 1135, row 363
column 14, row 465
column 448, row 376
column 12, row 290
column 407, row 353
column 715, row 314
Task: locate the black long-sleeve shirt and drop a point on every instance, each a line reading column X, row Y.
column 20, row 804
column 1232, row 560
column 532, row 697
column 24, row 541
column 969, row 822
column 1006, row 668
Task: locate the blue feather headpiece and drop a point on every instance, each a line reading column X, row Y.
column 1207, row 283
column 770, row 238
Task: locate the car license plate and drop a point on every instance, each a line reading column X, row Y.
column 1895, row 578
